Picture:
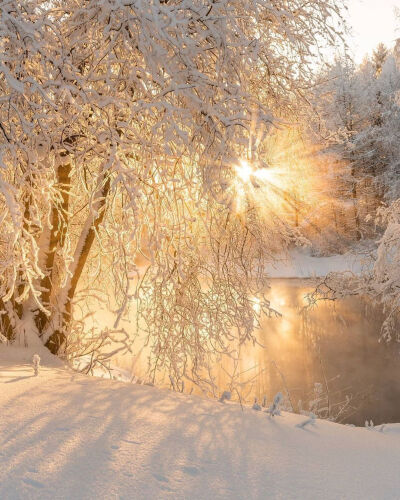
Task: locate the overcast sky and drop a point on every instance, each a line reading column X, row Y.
column 373, row 21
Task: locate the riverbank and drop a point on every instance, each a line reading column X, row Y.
column 300, row 263
column 65, row 435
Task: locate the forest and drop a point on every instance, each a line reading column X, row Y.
column 199, row 249
column 156, row 156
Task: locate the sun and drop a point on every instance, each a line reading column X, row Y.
column 263, row 187
column 257, row 177
column 244, row 171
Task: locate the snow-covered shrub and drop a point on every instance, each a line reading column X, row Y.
column 226, row 396
column 327, row 402
column 274, row 408
column 256, row 406
column 36, row 364
column 319, row 403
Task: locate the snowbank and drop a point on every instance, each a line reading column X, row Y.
column 300, row 264
column 65, row 435
column 10, row 355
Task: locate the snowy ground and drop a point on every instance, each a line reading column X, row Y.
column 64, row 435
column 300, row 264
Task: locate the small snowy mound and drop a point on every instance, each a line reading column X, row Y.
column 10, row 355
column 388, row 428
column 299, row 263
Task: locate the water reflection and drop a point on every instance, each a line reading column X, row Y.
column 330, row 354
column 336, row 345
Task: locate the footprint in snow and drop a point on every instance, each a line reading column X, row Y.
column 33, row 482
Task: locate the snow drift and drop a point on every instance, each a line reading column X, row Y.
column 65, row 435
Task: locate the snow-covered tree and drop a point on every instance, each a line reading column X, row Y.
column 358, row 109
column 121, row 122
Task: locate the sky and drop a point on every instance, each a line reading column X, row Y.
column 372, row 21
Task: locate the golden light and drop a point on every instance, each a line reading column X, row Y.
column 244, row 171
column 284, row 180
column 256, row 185
column 256, row 176
column 256, row 305
column 266, row 175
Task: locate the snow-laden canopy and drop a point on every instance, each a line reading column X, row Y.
column 119, row 125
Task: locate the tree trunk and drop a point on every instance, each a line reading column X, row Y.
column 84, row 245
column 354, row 197
column 58, row 229
column 6, row 327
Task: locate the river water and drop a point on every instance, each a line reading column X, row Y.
column 330, row 357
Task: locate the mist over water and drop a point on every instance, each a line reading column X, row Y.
column 336, row 344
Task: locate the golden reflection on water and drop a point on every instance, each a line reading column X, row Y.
column 338, row 341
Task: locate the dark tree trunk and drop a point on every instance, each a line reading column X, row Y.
column 58, row 230
column 57, row 339
column 6, row 328
column 355, row 200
